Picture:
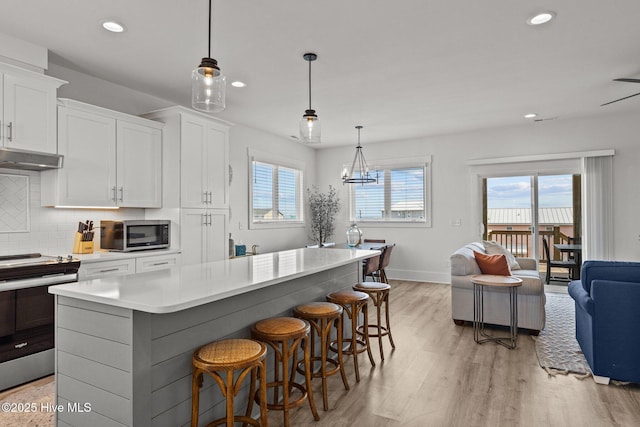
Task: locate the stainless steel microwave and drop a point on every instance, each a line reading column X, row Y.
column 135, row 235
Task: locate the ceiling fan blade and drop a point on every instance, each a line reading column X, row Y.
column 627, row 80
column 626, row 97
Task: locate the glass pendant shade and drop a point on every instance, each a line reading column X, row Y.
column 310, row 127
column 208, row 87
column 208, row 84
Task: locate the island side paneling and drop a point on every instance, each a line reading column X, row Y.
column 153, row 352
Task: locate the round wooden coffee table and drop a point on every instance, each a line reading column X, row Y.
column 511, row 283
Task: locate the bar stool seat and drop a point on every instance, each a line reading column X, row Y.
column 353, row 302
column 228, row 356
column 379, row 294
column 285, row 335
column 323, row 316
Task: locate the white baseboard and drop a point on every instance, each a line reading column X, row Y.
column 418, row 276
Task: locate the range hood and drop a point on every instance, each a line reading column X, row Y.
column 29, row 160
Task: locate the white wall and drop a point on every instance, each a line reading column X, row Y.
column 241, row 139
column 423, row 253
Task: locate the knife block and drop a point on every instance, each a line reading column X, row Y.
column 80, row 247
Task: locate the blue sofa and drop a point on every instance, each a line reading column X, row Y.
column 607, row 299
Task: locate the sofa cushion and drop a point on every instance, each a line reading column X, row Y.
column 495, row 248
column 492, row 264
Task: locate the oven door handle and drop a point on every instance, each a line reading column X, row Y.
column 10, row 285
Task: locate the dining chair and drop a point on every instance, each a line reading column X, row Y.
column 370, row 267
column 375, row 241
column 569, row 264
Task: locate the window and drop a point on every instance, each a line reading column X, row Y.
column 276, row 195
column 401, row 195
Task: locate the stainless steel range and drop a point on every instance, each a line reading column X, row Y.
column 27, row 314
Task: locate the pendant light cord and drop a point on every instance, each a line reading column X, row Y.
column 309, row 84
column 210, row 1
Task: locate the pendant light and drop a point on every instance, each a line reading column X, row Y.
column 310, row 125
column 359, row 170
column 208, row 84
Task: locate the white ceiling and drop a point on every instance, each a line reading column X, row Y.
column 402, row 69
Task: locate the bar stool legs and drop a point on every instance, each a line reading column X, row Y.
column 379, row 294
column 285, row 335
column 353, row 303
column 227, row 356
column 323, row 316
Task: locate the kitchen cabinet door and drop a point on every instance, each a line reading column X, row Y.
column 139, row 165
column 204, row 163
column 193, row 153
column 29, row 112
column 203, row 236
column 88, row 143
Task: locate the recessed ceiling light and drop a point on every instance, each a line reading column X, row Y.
column 541, row 18
column 113, row 26
column 238, row 84
column 530, row 115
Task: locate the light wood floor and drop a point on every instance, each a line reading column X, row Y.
column 438, row 376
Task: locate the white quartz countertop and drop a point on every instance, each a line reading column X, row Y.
column 183, row 287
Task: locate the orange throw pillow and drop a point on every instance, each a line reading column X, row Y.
column 492, row 264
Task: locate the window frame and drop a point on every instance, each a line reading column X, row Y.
column 276, row 162
column 386, row 166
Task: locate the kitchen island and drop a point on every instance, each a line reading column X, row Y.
column 124, row 344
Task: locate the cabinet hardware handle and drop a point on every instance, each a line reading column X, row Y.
column 204, row 197
column 10, row 127
column 210, row 223
column 22, row 344
column 204, row 219
column 121, row 193
column 108, row 270
column 230, row 175
column 160, row 263
column 114, row 194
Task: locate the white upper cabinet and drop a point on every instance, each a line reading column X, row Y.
column 110, row 160
column 204, row 156
column 28, row 110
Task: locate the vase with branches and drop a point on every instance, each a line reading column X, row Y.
column 323, row 208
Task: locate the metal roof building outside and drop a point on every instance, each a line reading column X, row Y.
column 508, row 216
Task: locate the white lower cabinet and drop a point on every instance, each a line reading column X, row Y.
column 96, row 270
column 120, row 267
column 158, row 262
column 203, row 235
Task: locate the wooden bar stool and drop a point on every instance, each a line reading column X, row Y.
column 353, row 302
column 228, row 356
column 285, row 335
column 323, row 316
column 379, row 294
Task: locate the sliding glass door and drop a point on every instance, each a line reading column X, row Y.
column 518, row 211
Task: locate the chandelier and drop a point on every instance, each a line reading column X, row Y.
column 359, row 170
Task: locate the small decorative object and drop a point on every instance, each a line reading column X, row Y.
column 354, row 235
column 241, row 250
column 323, row 208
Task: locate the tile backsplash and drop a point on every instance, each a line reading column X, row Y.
column 52, row 230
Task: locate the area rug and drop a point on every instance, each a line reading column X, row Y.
column 556, row 347
column 28, row 407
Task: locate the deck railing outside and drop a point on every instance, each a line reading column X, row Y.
column 520, row 242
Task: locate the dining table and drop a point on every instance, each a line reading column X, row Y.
column 576, row 250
